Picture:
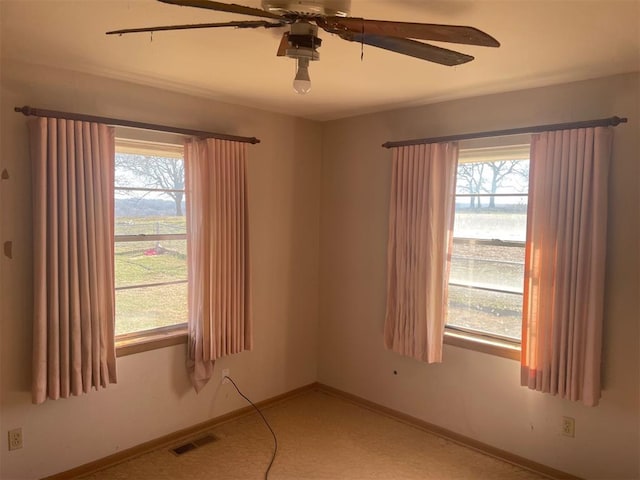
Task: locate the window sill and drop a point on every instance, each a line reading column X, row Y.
column 482, row 344
column 138, row 342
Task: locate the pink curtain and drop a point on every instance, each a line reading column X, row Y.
column 565, row 263
column 73, row 330
column 421, row 216
column 218, row 251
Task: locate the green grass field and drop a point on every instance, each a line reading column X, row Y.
column 145, row 262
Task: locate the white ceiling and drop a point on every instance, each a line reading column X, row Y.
column 542, row 42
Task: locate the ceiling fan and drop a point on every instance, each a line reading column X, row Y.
column 303, row 17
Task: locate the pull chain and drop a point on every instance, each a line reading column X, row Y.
column 362, row 44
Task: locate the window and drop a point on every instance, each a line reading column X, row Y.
column 150, row 238
column 487, row 265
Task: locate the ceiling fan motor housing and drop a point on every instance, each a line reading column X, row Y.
column 303, row 41
column 308, row 8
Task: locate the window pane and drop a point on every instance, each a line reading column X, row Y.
column 150, row 275
column 150, row 307
column 139, row 263
column 149, row 171
column 507, row 220
column 505, row 176
column 489, row 266
column 487, row 263
column 148, row 187
column 487, row 312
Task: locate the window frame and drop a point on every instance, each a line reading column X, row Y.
column 160, row 337
column 486, row 342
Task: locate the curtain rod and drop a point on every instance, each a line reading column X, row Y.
column 38, row 112
column 602, row 122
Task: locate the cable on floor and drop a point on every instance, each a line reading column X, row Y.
column 275, row 439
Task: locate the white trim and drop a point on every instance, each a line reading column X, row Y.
column 150, row 148
column 494, row 154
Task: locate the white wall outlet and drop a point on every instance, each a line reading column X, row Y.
column 568, row 426
column 225, row 373
column 15, row 439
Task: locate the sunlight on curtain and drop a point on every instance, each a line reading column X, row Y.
column 218, row 251
column 565, row 263
column 73, row 331
column 421, row 216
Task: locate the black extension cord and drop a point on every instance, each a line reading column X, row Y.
column 275, row 439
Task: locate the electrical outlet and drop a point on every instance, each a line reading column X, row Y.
column 568, row 426
column 15, row 439
column 225, row 373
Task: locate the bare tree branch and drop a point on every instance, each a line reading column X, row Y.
column 153, row 172
column 489, row 177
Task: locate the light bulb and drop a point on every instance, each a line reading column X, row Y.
column 302, row 82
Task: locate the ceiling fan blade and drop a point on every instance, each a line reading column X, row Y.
column 224, row 7
column 284, row 44
column 422, row 31
column 420, row 50
column 249, row 24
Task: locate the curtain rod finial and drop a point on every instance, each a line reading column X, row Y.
column 617, row 120
column 26, row 110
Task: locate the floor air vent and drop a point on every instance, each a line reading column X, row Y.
column 193, row 444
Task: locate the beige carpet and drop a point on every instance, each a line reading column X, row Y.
column 320, row 437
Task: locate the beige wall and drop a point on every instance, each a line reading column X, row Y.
column 471, row 393
column 153, row 397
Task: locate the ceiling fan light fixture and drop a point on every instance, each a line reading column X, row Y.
column 303, row 43
column 302, row 81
